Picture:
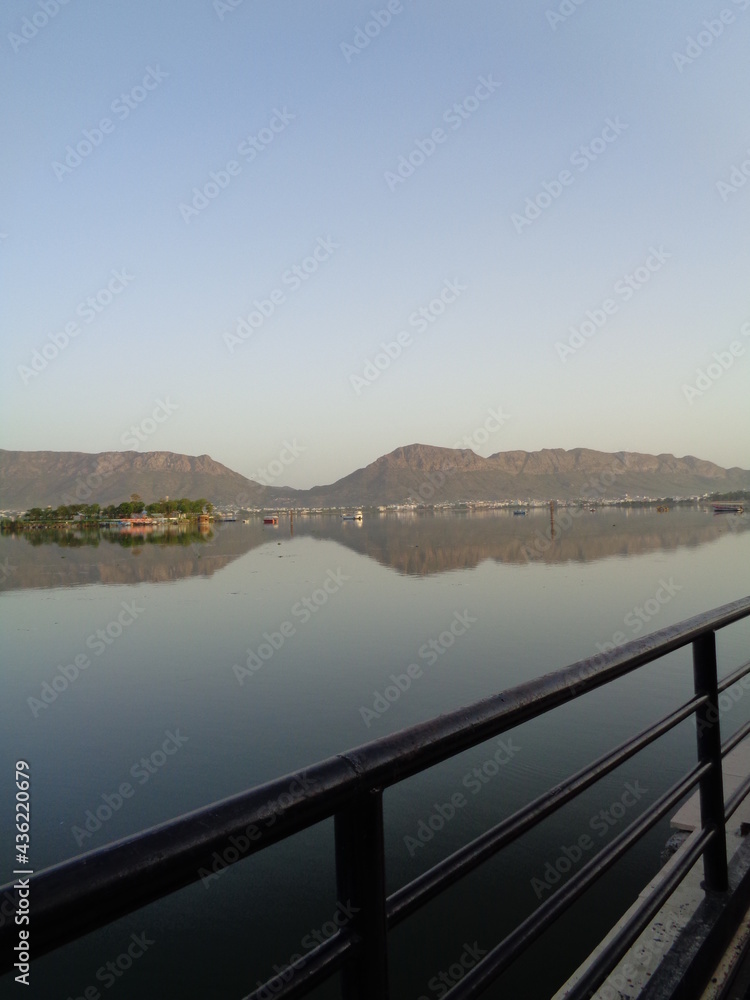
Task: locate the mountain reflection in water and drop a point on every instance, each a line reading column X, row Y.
column 416, row 544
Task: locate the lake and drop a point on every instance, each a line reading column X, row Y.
column 191, row 668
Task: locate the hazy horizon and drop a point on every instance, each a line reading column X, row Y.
column 242, row 227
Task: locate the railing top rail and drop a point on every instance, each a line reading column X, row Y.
column 120, row 877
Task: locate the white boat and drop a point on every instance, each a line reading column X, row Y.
column 356, row 516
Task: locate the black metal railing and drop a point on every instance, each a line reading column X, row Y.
column 81, row 895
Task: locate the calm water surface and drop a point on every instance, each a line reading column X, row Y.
column 178, row 641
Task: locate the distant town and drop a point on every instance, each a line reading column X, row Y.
column 135, row 513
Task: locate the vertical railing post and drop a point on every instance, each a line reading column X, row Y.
column 709, row 750
column 360, row 878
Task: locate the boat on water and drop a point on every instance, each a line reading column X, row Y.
column 271, row 519
column 727, row 508
column 356, row 516
column 519, row 513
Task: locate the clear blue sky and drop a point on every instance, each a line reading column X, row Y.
column 317, row 124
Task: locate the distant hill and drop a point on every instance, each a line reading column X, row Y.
column 41, row 478
column 415, row 472
column 444, row 475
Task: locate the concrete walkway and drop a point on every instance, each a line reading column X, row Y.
column 636, row 968
column 735, row 768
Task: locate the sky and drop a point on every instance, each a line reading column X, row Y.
column 296, row 236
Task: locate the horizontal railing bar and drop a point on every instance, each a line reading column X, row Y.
column 482, row 975
column 85, row 893
column 78, row 896
column 320, row 963
column 735, row 740
column 614, row 950
column 736, row 798
column 429, row 884
column 734, row 677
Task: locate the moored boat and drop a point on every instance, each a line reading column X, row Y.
column 727, row 508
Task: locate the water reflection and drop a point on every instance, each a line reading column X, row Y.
column 416, row 544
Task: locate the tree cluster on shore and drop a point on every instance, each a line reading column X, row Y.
column 135, row 507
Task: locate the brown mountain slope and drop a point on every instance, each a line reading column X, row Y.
column 39, row 478
column 414, row 472
column 445, row 475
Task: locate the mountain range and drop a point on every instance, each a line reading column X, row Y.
column 416, row 472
